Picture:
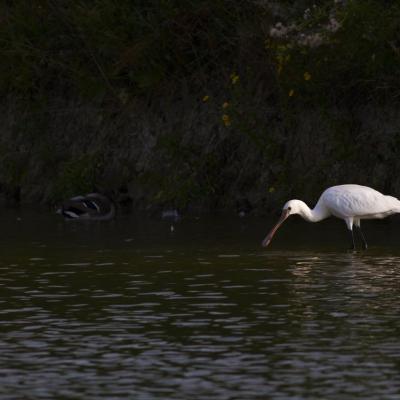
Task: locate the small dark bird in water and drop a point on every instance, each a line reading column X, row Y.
column 171, row 215
column 93, row 206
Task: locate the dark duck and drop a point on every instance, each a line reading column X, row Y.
column 93, row 206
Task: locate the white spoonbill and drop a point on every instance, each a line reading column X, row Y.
column 351, row 203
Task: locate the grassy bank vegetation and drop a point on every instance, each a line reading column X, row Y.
column 198, row 103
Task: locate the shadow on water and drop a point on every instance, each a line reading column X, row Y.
column 129, row 308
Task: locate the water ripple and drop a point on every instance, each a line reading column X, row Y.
column 91, row 321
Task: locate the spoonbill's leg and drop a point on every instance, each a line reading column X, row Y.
column 352, row 244
column 349, row 223
column 358, row 225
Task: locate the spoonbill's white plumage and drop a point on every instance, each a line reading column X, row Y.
column 352, row 203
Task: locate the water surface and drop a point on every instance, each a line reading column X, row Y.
column 129, row 309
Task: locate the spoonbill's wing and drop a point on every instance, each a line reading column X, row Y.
column 359, row 201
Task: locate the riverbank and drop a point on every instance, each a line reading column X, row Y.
column 202, row 107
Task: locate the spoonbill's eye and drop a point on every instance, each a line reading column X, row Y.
column 289, row 208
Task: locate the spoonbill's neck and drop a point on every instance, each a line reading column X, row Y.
column 318, row 213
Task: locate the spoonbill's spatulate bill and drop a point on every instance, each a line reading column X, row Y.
column 352, row 203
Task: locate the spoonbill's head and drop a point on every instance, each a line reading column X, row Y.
column 291, row 207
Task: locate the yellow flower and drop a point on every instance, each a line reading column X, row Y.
column 271, row 189
column 291, row 92
column 206, row 98
column 234, row 78
column 226, row 120
column 307, row 76
column 225, row 105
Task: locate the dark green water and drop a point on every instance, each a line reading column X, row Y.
column 129, row 309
